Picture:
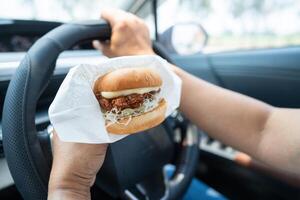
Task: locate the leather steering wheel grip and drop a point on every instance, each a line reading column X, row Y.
column 23, row 152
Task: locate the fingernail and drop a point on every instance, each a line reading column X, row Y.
column 96, row 44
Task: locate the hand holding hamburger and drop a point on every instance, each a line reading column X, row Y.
column 103, row 103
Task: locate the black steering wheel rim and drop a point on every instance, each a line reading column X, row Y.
column 24, row 153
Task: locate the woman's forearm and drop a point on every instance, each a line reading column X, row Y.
column 233, row 118
column 267, row 133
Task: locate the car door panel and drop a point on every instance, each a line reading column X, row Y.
column 271, row 75
column 197, row 65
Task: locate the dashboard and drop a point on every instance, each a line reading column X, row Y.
column 16, row 43
column 20, row 35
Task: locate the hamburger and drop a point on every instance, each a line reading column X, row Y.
column 130, row 99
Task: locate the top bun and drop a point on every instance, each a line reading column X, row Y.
column 128, row 78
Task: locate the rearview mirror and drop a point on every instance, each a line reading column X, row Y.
column 184, row 38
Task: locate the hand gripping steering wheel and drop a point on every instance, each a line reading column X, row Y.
column 133, row 166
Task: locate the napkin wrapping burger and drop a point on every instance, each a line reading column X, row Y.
column 76, row 115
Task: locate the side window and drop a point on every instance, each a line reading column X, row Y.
column 237, row 24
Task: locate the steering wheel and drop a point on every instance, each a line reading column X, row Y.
column 133, row 166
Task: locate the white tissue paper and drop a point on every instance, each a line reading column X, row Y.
column 75, row 112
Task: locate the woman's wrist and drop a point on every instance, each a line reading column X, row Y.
column 68, row 189
column 67, row 193
column 65, row 185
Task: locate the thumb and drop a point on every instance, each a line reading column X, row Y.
column 104, row 47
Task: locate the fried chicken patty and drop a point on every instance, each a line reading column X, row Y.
column 123, row 102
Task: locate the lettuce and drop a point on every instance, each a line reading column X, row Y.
column 114, row 115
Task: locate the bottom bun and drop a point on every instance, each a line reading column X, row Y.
column 142, row 122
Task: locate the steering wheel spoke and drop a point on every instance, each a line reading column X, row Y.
column 154, row 186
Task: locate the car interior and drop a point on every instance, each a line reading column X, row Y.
column 35, row 56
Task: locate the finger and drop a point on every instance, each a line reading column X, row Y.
column 97, row 45
column 110, row 15
column 105, row 48
column 102, row 46
column 55, row 137
column 113, row 16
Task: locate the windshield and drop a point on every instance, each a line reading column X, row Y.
column 236, row 24
column 57, row 10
